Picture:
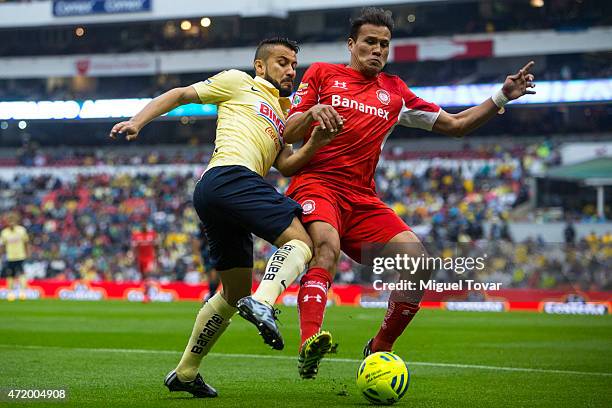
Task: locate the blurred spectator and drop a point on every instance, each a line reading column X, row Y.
column 423, row 73
column 80, row 225
column 462, row 17
column 569, row 233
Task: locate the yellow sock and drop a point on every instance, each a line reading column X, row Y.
column 23, row 283
column 9, row 282
column 212, row 320
column 284, row 266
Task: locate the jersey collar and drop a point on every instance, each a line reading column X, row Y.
column 285, row 103
column 266, row 84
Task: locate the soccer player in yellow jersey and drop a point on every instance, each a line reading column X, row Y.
column 233, row 200
column 14, row 240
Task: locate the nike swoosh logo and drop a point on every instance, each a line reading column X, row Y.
column 255, row 90
column 284, row 284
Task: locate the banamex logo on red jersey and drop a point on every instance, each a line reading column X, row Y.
column 337, row 100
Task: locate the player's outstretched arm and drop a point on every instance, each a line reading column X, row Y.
column 157, row 107
column 299, row 123
column 289, row 162
column 462, row 123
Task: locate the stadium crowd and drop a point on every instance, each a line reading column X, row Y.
column 32, row 155
column 423, row 73
column 411, row 20
column 80, row 226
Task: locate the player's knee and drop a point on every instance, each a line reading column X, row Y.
column 295, row 231
column 308, row 243
column 326, row 254
column 302, row 239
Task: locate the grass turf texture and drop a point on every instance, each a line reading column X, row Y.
column 67, row 344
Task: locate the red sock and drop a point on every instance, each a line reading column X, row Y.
column 312, row 299
column 399, row 315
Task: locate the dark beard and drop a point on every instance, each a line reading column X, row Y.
column 281, row 91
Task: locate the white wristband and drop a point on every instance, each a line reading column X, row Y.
column 499, row 99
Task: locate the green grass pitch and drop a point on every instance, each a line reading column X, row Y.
column 116, row 354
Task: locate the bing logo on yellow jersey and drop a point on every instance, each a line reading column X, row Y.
column 268, row 113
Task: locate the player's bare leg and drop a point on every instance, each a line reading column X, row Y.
column 211, row 321
column 284, row 266
column 312, row 297
column 403, row 305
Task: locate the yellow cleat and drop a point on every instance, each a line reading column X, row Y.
column 311, row 353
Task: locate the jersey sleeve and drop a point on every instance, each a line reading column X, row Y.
column 307, row 94
column 416, row 112
column 24, row 234
column 219, row 88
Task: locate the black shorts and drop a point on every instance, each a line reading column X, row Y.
column 233, row 202
column 13, row 268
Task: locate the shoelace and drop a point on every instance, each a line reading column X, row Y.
column 275, row 313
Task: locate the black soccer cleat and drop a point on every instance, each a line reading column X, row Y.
column 264, row 318
column 367, row 350
column 198, row 388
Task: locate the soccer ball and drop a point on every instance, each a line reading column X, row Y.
column 383, row 378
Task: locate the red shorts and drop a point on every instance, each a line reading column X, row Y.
column 146, row 265
column 359, row 218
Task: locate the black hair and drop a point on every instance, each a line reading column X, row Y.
column 371, row 15
column 263, row 49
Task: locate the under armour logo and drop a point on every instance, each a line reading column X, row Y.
column 338, row 84
column 318, row 298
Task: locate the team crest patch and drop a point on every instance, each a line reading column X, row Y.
column 308, row 207
column 383, row 96
column 297, row 99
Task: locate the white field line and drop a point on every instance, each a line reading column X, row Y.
column 330, row 359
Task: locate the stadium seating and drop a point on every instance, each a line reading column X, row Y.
column 81, row 224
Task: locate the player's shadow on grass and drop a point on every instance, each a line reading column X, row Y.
column 186, row 397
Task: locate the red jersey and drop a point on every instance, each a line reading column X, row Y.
column 371, row 108
column 144, row 242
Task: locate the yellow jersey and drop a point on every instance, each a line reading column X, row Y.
column 250, row 120
column 14, row 240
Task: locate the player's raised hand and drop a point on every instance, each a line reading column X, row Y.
column 127, row 129
column 327, row 117
column 520, row 83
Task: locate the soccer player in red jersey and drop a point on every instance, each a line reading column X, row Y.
column 144, row 242
column 336, row 188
